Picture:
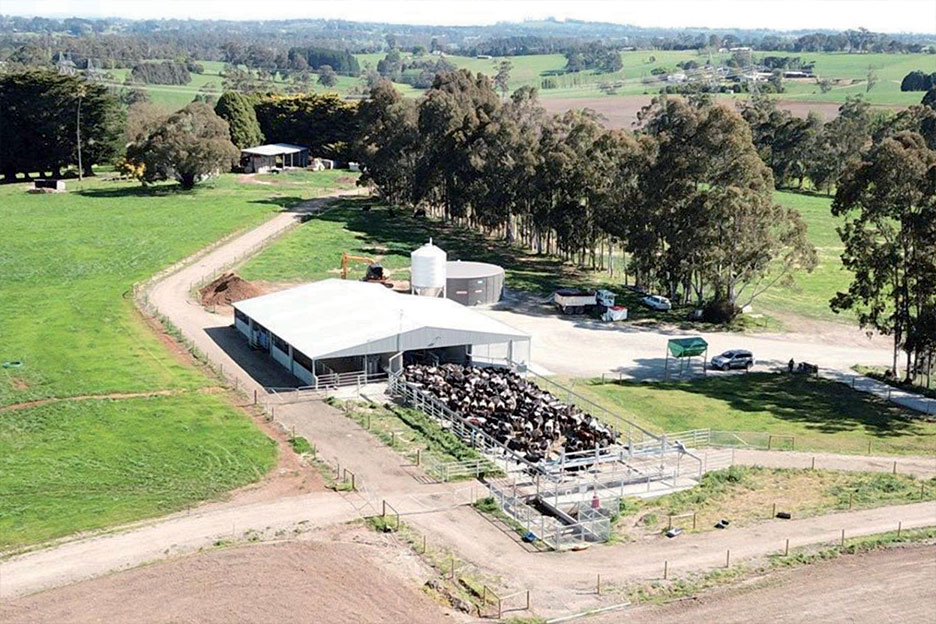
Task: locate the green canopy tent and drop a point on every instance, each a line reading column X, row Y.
column 684, row 349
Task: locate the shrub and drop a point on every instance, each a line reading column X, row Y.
column 720, row 311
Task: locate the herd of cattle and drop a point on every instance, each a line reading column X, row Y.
column 515, row 412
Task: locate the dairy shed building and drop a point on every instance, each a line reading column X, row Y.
column 337, row 330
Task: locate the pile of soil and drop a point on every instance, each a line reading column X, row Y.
column 226, row 289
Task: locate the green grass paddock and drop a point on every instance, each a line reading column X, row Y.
column 68, row 263
column 82, row 465
column 822, row 415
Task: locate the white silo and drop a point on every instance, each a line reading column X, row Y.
column 427, row 271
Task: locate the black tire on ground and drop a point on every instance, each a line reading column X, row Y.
column 749, row 366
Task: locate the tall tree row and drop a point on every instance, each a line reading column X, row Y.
column 687, row 197
column 42, row 112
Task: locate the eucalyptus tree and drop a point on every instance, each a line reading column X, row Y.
column 889, row 200
column 709, row 225
column 387, row 144
column 566, row 179
column 841, row 140
column 510, row 164
column 453, row 119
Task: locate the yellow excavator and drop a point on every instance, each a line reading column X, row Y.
column 375, row 272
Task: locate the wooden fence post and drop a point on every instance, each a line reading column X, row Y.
column 728, row 558
column 786, row 548
column 899, row 524
column 665, row 569
column 598, row 585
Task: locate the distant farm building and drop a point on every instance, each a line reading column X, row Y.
column 264, row 158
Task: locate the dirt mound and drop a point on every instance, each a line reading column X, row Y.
column 226, row 289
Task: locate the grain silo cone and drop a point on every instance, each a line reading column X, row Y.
column 427, row 271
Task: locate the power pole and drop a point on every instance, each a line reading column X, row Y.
column 78, row 136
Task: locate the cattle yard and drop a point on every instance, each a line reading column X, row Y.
column 566, row 470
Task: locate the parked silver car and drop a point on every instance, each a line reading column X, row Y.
column 736, row 358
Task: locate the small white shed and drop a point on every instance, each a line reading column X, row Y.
column 263, row 158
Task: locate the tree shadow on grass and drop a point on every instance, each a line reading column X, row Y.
column 158, row 190
column 821, row 405
column 397, row 233
column 285, row 203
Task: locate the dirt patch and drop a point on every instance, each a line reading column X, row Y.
column 346, row 180
column 621, row 111
column 272, row 287
column 19, row 384
column 251, row 178
column 892, row 585
column 349, row 576
column 226, row 289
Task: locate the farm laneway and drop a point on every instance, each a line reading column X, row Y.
column 384, row 475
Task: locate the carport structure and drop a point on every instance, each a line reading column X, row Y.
column 684, row 349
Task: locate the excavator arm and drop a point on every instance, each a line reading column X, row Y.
column 346, row 260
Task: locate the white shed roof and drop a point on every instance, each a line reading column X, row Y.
column 337, row 318
column 274, row 149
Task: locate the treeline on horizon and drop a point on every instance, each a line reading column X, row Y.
column 125, row 43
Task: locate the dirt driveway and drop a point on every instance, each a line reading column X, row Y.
column 639, row 353
column 895, row 585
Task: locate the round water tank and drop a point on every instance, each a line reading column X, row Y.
column 474, row 283
column 427, row 273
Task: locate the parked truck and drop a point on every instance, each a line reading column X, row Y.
column 576, row 301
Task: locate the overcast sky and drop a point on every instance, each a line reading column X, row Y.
column 876, row 15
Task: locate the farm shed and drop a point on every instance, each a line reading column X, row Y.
column 334, row 331
column 262, row 158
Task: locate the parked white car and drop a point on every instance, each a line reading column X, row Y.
column 657, row 302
